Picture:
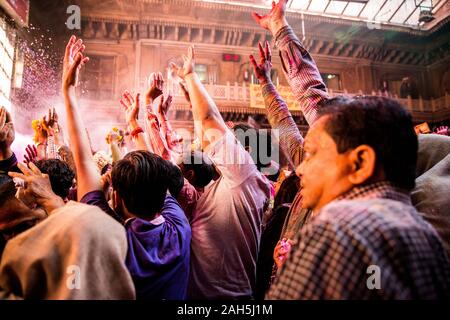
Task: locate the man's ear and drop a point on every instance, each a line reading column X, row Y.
column 362, row 162
column 117, row 201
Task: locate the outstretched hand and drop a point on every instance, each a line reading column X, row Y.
column 131, row 106
column 52, row 122
column 6, row 126
column 32, row 154
column 442, row 130
column 156, row 87
column 262, row 70
column 164, row 105
column 188, row 64
column 275, row 19
column 73, row 61
column 37, row 185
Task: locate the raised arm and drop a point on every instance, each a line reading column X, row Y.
column 132, row 106
column 298, row 66
column 278, row 113
column 207, row 118
column 114, row 139
column 174, row 141
column 156, row 137
column 88, row 177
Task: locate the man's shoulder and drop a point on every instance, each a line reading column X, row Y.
column 80, row 216
column 368, row 214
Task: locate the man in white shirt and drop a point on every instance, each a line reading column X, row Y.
column 226, row 222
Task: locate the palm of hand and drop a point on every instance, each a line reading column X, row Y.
column 154, row 92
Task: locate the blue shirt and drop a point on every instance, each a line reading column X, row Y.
column 158, row 253
column 158, row 250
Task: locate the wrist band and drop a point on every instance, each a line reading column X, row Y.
column 136, row 131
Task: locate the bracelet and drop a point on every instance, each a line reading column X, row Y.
column 136, row 131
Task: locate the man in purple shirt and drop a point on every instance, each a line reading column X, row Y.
column 157, row 230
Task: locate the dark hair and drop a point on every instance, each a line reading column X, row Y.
column 7, row 189
column 247, row 135
column 288, row 190
column 201, row 165
column 141, row 180
column 176, row 179
column 381, row 123
column 60, row 175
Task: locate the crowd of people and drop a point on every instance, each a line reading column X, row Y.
column 364, row 212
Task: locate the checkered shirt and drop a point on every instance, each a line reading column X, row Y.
column 370, row 227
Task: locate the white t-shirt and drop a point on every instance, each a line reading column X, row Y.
column 226, row 225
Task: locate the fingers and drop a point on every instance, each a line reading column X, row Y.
column 268, row 53
column 69, row 47
column 24, row 169
column 77, row 61
column 29, row 151
column 262, row 56
column 84, row 61
column 123, row 104
column 136, row 99
column 33, row 168
column 169, row 99
column 191, row 53
column 256, row 16
column 128, row 98
column 136, row 105
column 76, row 47
column 253, row 61
column 2, row 117
column 17, row 175
column 55, row 115
column 174, row 67
column 159, row 80
column 34, row 151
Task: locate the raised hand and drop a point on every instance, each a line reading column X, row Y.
column 52, row 122
column 164, row 105
column 37, row 185
column 73, row 61
column 32, row 154
column 115, row 136
column 443, row 130
column 262, row 70
column 40, row 134
column 275, row 19
column 156, row 87
column 188, row 64
column 131, row 106
column 6, row 127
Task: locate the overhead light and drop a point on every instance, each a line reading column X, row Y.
column 425, row 15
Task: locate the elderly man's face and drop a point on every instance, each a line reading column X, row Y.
column 324, row 172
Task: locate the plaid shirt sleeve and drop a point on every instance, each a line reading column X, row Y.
column 307, row 86
column 322, row 263
column 301, row 72
column 281, row 119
